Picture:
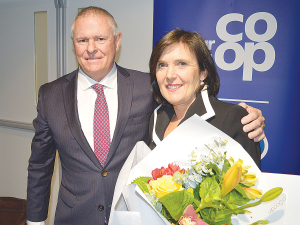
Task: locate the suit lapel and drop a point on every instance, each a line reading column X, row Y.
column 164, row 115
column 197, row 107
column 70, row 102
column 125, row 89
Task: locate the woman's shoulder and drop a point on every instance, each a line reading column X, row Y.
column 226, row 114
column 226, row 107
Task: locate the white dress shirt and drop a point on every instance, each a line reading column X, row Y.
column 86, row 97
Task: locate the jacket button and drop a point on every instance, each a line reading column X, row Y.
column 104, row 173
column 101, row 207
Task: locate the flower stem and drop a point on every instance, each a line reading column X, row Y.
column 250, row 205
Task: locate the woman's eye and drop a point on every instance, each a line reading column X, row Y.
column 182, row 63
column 160, row 65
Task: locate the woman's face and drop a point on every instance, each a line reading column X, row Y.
column 178, row 75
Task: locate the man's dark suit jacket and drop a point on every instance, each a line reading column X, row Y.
column 87, row 188
column 227, row 119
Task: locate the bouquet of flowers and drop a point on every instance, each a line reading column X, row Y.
column 194, row 176
column 210, row 191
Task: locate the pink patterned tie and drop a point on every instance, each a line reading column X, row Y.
column 101, row 125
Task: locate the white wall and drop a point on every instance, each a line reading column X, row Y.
column 17, row 84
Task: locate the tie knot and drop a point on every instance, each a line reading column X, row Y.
column 98, row 88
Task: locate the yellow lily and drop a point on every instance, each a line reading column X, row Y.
column 249, row 179
column 239, row 162
column 252, row 193
column 231, row 179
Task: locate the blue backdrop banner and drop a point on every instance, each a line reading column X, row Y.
column 255, row 44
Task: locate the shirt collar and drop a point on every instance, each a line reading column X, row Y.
column 109, row 81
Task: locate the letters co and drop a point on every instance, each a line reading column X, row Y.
column 244, row 55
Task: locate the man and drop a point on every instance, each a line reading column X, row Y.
column 66, row 122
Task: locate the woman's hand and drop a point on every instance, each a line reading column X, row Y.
column 253, row 123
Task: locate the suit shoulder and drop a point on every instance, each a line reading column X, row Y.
column 132, row 72
column 140, row 80
column 54, row 85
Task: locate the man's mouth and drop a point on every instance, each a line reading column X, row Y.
column 92, row 58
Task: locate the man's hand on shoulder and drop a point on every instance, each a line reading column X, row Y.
column 254, row 123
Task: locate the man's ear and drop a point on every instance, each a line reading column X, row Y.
column 118, row 37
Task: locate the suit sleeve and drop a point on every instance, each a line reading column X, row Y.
column 233, row 127
column 41, row 164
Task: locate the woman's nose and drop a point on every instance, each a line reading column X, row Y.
column 171, row 72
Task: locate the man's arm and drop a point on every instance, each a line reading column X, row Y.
column 40, row 168
column 253, row 123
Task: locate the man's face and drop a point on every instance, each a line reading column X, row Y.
column 95, row 45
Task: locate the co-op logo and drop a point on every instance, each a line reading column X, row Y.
column 244, row 55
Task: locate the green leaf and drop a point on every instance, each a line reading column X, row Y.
column 205, row 204
column 214, row 167
column 208, row 215
column 231, row 206
column 210, row 190
column 223, row 216
column 226, row 166
column 260, row 222
column 205, row 213
column 176, row 202
column 241, row 191
column 234, row 197
column 241, row 211
column 142, row 183
column 197, row 192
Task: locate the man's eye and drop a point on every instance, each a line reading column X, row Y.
column 100, row 39
column 82, row 40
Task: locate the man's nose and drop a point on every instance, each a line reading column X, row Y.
column 91, row 48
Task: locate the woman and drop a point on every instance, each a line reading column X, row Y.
column 183, row 77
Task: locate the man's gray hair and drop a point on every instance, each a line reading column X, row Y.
column 93, row 10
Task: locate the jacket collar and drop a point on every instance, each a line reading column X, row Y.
column 201, row 106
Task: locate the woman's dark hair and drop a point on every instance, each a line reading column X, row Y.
column 197, row 45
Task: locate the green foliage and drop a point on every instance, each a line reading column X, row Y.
column 205, row 197
column 235, row 197
column 214, row 167
column 226, row 166
column 242, row 192
column 210, row 190
column 176, row 202
column 197, row 192
column 223, row 216
column 142, row 183
column 260, row 222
